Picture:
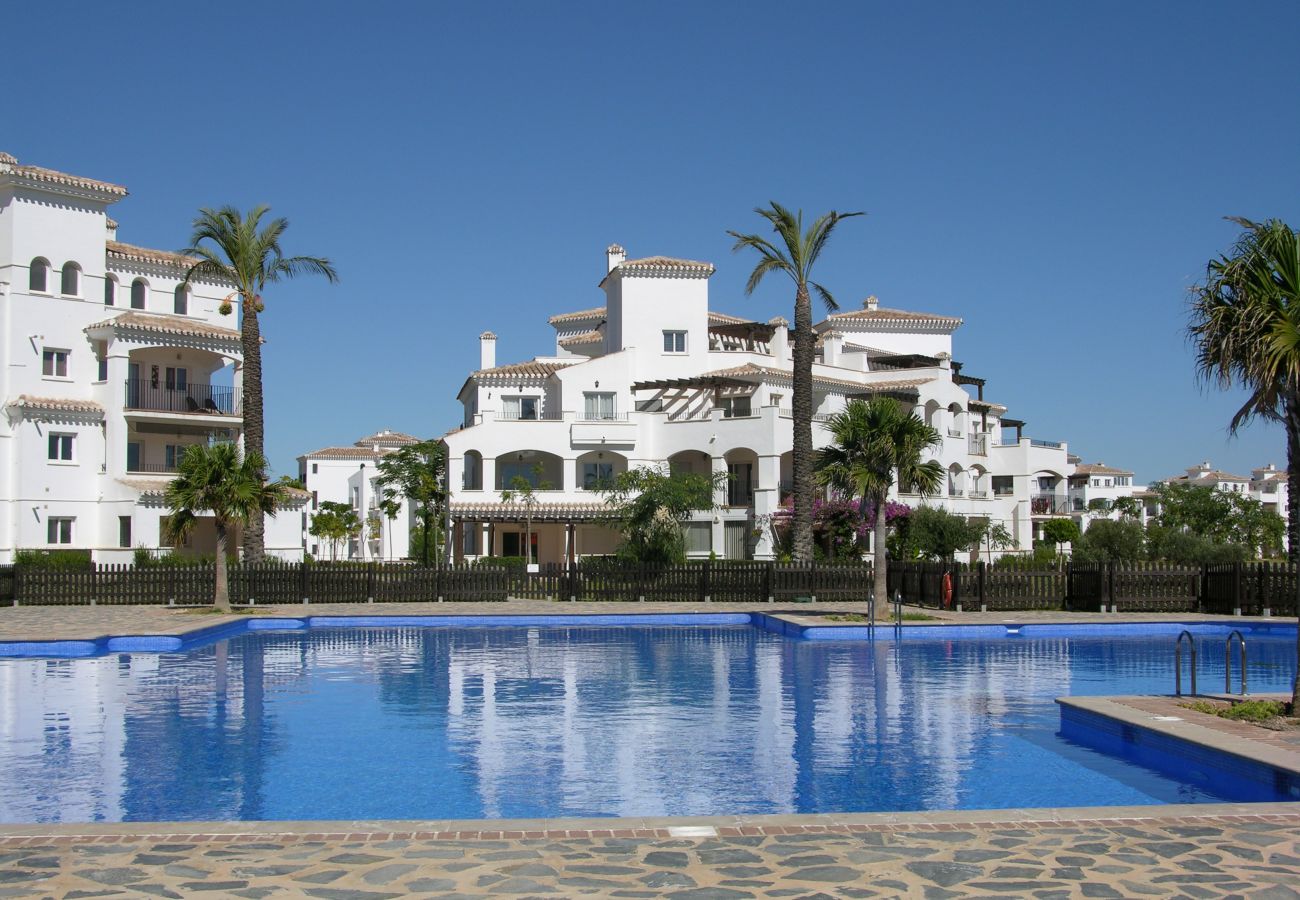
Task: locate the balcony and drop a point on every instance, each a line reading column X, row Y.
column 197, row 399
column 979, row 444
column 144, row 468
column 954, row 432
column 1049, row 505
column 545, row 415
column 979, row 495
column 956, row 492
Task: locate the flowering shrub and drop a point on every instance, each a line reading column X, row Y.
column 840, row 523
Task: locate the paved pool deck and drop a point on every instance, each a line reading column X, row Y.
column 1186, row 851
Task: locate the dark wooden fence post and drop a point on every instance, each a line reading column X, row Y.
column 981, row 566
column 302, row 582
column 767, row 581
column 1110, row 586
column 1237, row 587
column 573, row 580
column 706, row 584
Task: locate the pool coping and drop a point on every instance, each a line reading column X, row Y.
column 683, row 827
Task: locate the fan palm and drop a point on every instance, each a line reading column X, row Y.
column 231, row 247
column 215, row 480
column 794, row 252
column 1245, row 324
column 876, row 444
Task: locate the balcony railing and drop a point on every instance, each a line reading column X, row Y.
column 202, row 399
column 545, row 415
column 1049, row 505
column 954, row 432
column 602, row 417
column 143, row 468
column 1050, row 445
column 979, row 444
column 956, row 492
column 979, row 495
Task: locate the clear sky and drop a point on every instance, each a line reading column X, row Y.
column 1056, row 174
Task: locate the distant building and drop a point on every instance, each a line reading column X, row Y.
column 1267, row 484
column 112, row 369
column 351, row 475
column 1094, row 488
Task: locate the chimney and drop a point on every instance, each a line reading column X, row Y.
column 112, row 228
column 780, row 343
column 872, row 303
column 487, row 350
column 614, row 254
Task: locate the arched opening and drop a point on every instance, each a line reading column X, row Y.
column 686, row 461
column 472, row 477
column 543, row 471
column 742, row 476
column 139, row 292
column 597, row 470
column 181, row 300
column 110, row 290
column 70, row 280
column 956, row 480
column 1047, row 494
column 932, row 417
column 38, row 275
column 787, row 475
column 979, row 482
column 956, row 420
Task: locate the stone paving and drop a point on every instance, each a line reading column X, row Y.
column 1255, row 855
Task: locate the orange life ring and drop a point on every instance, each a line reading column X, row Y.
column 947, row 590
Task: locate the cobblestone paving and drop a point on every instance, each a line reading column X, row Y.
column 1249, row 856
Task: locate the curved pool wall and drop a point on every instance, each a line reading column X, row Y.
column 180, row 643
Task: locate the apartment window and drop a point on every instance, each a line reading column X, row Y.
column 674, row 342
column 520, row 408
column 654, row 405
column 133, row 457
column 181, row 300
column 124, row 531
column 138, row 291
column 38, row 276
column 177, row 378
column 1003, row 485
column 172, row 456
column 54, row 363
column 315, row 501
column 598, row 406
column 698, row 537
column 597, row 475
column 60, row 447
column 733, row 407
column 70, row 282
column 103, row 369
column 315, row 468
column 110, row 291
column 58, row 530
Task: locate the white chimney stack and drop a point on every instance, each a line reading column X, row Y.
column 487, row 350
column 871, row 303
column 614, row 254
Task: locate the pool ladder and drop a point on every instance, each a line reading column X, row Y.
column 1227, row 662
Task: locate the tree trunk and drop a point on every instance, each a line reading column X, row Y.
column 250, row 336
column 221, row 593
column 1292, row 413
column 879, row 555
column 424, row 548
column 801, row 404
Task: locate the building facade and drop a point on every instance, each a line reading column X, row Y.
column 654, row 377
column 112, row 368
column 350, row 475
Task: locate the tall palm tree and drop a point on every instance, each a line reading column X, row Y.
column 236, row 248
column 876, row 444
column 216, row 480
column 1245, row 323
column 794, row 252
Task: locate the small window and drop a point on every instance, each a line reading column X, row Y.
column 124, row 531
column 315, row 468
column 734, row 407
column 598, row 406
column 674, row 342
column 103, row 369
column 173, row 454
column 181, row 300
column 698, row 537
column 655, row 405
column 597, row 476
column 38, row 276
column 177, row 378
column 54, row 363
column 138, row 291
column 58, row 530
column 70, row 285
column 110, row 291
column 133, row 456
column 60, row 447
column 315, row 501
column 520, row 408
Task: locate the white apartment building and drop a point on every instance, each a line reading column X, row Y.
column 111, row 370
column 351, row 475
column 654, row 377
column 1267, row 484
column 1094, row 488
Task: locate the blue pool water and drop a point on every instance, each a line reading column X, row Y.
column 526, row 721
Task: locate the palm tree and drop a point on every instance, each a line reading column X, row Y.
column 794, row 253
column 215, row 480
column 236, row 248
column 875, row 444
column 1245, row 323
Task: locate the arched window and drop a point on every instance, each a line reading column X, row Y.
column 181, row 300
column 70, row 285
column 38, row 277
column 138, row 291
column 110, row 290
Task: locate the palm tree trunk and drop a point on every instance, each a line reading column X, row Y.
column 1292, row 412
column 879, row 556
column 801, row 404
column 250, row 336
column 221, row 593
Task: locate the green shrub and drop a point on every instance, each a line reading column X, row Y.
column 63, row 560
column 1245, row 711
column 1107, row 540
column 501, row 562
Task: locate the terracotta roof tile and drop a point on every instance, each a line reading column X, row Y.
column 397, row 438
column 665, row 262
column 353, row 452
column 56, row 404
column 489, row 509
column 156, row 487
column 530, row 369
column 750, row 370
column 1098, row 469
column 139, row 321
column 596, row 312
column 579, row 340
column 885, row 314
column 9, row 164
column 717, row 318
column 132, row 253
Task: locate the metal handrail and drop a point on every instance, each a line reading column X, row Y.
column 898, row 607
column 1227, row 663
column 1178, row 662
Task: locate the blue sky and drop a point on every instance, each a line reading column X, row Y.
column 1056, row 174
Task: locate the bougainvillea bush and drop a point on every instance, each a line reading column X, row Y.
column 840, row 526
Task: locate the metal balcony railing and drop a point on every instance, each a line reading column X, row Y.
column 202, row 399
column 545, row 415
column 979, row 444
column 144, row 468
column 602, row 417
column 1049, row 505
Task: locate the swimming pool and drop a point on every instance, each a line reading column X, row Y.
column 358, row 719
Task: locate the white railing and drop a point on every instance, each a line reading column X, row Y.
column 955, row 492
column 979, row 495
column 954, row 432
